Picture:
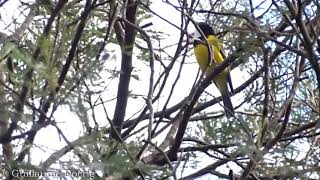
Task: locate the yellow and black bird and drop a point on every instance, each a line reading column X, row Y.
column 201, row 51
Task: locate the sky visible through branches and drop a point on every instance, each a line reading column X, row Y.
column 113, row 87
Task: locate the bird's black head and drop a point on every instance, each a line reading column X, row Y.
column 206, row 29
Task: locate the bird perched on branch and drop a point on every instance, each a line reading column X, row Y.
column 202, row 52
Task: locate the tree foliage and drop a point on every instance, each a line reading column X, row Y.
column 119, row 96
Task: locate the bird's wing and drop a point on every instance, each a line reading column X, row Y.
column 223, row 53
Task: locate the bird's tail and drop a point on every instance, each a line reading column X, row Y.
column 221, row 82
column 228, row 107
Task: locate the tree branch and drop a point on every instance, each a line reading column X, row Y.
column 126, row 68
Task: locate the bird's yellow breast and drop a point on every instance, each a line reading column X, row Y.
column 201, row 52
